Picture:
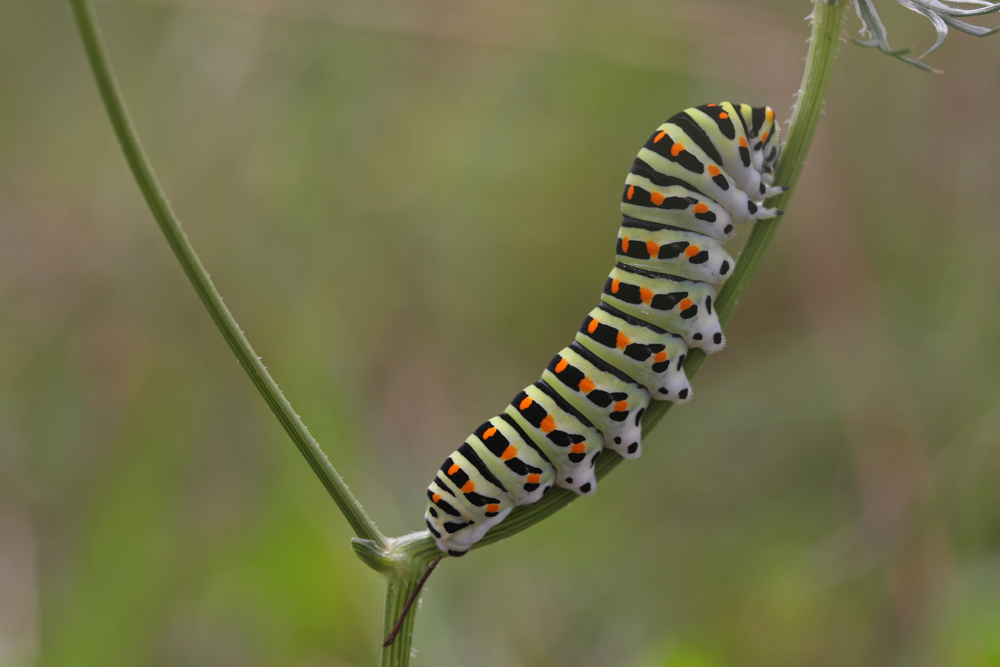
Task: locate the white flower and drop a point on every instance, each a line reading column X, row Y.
column 941, row 14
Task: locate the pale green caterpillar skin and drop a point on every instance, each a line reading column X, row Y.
column 752, row 178
column 683, row 307
column 654, row 357
column 673, row 251
column 562, row 433
column 613, row 401
column 700, row 214
column 702, row 172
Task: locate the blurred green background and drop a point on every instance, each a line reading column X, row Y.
column 409, row 206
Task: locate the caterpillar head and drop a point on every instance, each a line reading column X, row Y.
column 772, row 145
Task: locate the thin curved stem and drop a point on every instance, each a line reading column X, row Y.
column 100, row 63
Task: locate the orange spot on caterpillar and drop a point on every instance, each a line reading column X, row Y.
column 656, row 198
column 624, row 244
column 454, row 468
column 652, row 248
column 723, row 115
column 769, row 115
column 492, row 508
column 631, row 191
column 469, row 487
column 711, row 105
column 691, row 251
column 713, row 170
column 525, row 403
column 763, row 137
column 489, row 433
column 592, row 327
column 646, row 295
column 614, row 285
column 676, row 149
column 586, row 385
column 621, row 406
column 621, row 341
column 743, row 142
column 533, row 478
column 548, row 424
column 561, row 366
column 509, row 453
column 436, row 497
column 686, row 303
column 578, row 448
column 659, row 136
column 700, row 208
column 660, row 357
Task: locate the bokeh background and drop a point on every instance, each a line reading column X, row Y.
column 409, row 205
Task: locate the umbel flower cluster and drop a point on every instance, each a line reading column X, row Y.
column 942, row 15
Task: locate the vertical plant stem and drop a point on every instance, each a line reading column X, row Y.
column 397, row 591
column 100, row 63
column 403, row 565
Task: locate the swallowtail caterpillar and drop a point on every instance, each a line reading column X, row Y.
column 701, row 173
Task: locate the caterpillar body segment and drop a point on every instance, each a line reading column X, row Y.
column 727, row 134
column 453, row 521
column 673, row 251
column 657, row 200
column 684, row 307
column 702, row 172
column 715, row 184
column 513, row 457
column 564, row 435
column 609, row 398
column 647, row 353
column 470, row 480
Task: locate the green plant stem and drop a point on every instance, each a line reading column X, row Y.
column 100, row 63
column 827, row 21
column 402, row 564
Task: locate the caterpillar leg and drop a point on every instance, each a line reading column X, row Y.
column 769, row 191
column 760, row 213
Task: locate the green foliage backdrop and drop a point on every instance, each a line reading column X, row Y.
column 409, row 207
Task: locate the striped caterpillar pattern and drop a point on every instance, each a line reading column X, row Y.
column 702, row 172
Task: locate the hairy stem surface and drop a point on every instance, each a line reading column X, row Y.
column 100, row 63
